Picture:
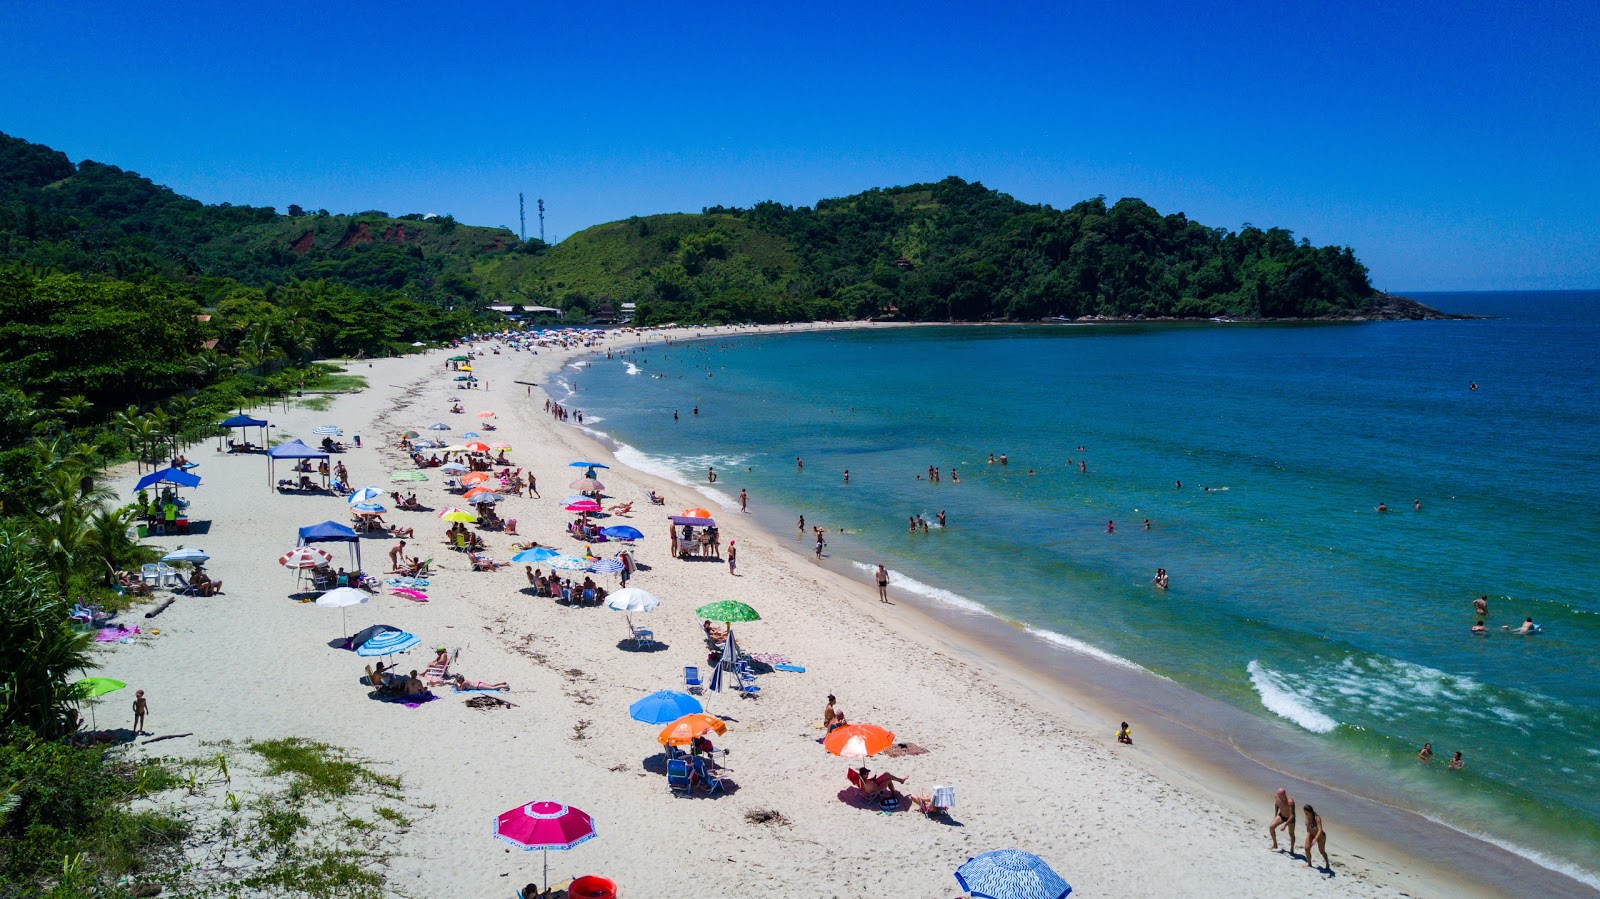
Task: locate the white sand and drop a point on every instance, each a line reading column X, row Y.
column 255, row 664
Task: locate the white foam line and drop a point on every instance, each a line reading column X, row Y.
column 1538, row 858
column 1281, row 701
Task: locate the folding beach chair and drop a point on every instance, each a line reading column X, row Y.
column 712, row 781
column 678, row 776
column 691, row 678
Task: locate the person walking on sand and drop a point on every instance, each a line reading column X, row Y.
column 1316, row 835
column 397, row 554
column 141, row 708
column 883, row 583
column 1282, row 816
column 744, row 503
column 733, row 553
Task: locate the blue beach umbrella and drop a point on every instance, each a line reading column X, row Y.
column 365, row 495
column 622, row 532
column 387, row 643
column 537, row 554
column 664, row 707
column 367, row 507
column 438, row 426
column 470, row 434
column 607, row 566
column 587, row 465
column 1011, row 874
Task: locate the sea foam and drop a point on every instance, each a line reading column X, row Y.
column 1282, row 701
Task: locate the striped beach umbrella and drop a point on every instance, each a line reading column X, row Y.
column 365, row 495
column 304, row 557
column 569, row 564
column 607, row 566
column 479, row 497
column 328, row 431
column 1011, row 874
column 386, row 643
column 438, row 426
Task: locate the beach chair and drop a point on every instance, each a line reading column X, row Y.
column 182, row 587
column 708, row 777
column 869, row 793
column 150, row 574
column 691, row 678
column 166, row 573
column 678, row 776
column 641, row 636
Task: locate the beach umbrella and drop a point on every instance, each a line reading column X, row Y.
column 465, row 378
column 537, row 554
column 457, row 448
column 368, row 508
column 586, row 485
column 664, row 707
column 92, row 687
column 454, row 514
column 479, row 498
column 696, row 513
column 587, row 465
column 476, row 477
column 410, row 474
column 587, row 505
column 1011, row 874
column 459, row 358
column 438, row 426
column 486, row 415
column 622, row 532
column 683, row 731
column 365, row 495
column 576, row 498
column 387, row 643
column 428, row 443
column 477, row 446
column 342, row 598
column 416, row 343
column 186, row 555
column 328, row 431
column 303, row 557
column 857, row 741
column 500, row 446
column 545, row 826
column 728, row 611
column 569, row 564
column 454, row 468
column 409, row 435
column 481, row 488
column 632, row 599
column 466, row 368
column 471, row 434
column 607, row 566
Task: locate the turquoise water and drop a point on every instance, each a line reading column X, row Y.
column 1291, row 597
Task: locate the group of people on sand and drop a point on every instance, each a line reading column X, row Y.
column 563, row 590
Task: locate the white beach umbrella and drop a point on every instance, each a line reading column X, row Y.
column 342, row 598
column 632, row 599
column 186, row 555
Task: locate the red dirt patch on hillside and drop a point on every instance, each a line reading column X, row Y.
column 303, row 245
column 395, row 234
column 355, row 234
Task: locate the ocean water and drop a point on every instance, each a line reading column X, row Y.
column 1291, row 597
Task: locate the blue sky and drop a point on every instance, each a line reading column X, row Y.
column 1453, row 145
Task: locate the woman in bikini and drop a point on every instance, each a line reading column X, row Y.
column 1315, row 835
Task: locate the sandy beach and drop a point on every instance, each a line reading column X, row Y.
column 1034, row 768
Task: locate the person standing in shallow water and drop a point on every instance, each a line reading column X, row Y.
column 744, row 501
column 883, row 583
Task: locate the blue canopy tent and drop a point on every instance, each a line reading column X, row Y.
column 242, row 421
column 332, row 532
column 168, row 476
column 294, row 449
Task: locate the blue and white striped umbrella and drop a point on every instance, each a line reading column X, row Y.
column 365, row 495
column 387, row 643
column 186, row 555
column 328, row 431
column 438, row 426
column 1011, row 874
column 367, row 507
column 537, row 554
column 607, row 566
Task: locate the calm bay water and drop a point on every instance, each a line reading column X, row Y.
column 1291, row 596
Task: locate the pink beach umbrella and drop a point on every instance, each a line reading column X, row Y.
column 544, row 826
column 587, row 505
column 413, row 595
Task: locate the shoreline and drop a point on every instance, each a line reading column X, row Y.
column 1093, row 689
column 1135, row 822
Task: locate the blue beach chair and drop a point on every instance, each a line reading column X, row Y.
column 678, row 776
column 691, row 678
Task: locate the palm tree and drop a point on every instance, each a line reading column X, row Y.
column 74, row 408
column 146, row 433
column 181, row 410
column 42, row 648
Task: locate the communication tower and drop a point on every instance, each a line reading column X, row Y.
column 541, row 221
column 522, row 220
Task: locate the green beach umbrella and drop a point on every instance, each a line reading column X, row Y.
column 91, row 687
column 409, row 474
column 459, row 359
column 728, row 611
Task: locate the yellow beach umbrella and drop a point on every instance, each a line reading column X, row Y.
column 461, row 515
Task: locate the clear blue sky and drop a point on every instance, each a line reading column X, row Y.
column 1455, row 145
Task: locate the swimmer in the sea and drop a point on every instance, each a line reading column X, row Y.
column 1161, row 580
column 1417, row 504
column 1382, row 507
column 1147, row 524
column 1481, row 606
column 1479, row 629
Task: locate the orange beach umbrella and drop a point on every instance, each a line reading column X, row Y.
column 696, row 513
column 476, row 477
column 683, row 731
column 857, row 741
column 477, row 446
column 477, row 490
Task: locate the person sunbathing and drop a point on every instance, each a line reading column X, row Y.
column 481, row 563
column 460, row 682
column 623, row 509
column 714, row 633
column 132, row 583
column 880, row 782
column 204, row 585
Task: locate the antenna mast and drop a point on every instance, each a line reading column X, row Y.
column 522, row 220
column 541, row 221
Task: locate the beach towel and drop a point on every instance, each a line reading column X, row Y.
column 478, row 690
column 798, row 669
column 114, row 634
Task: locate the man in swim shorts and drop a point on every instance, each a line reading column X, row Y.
column 1282, row 816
